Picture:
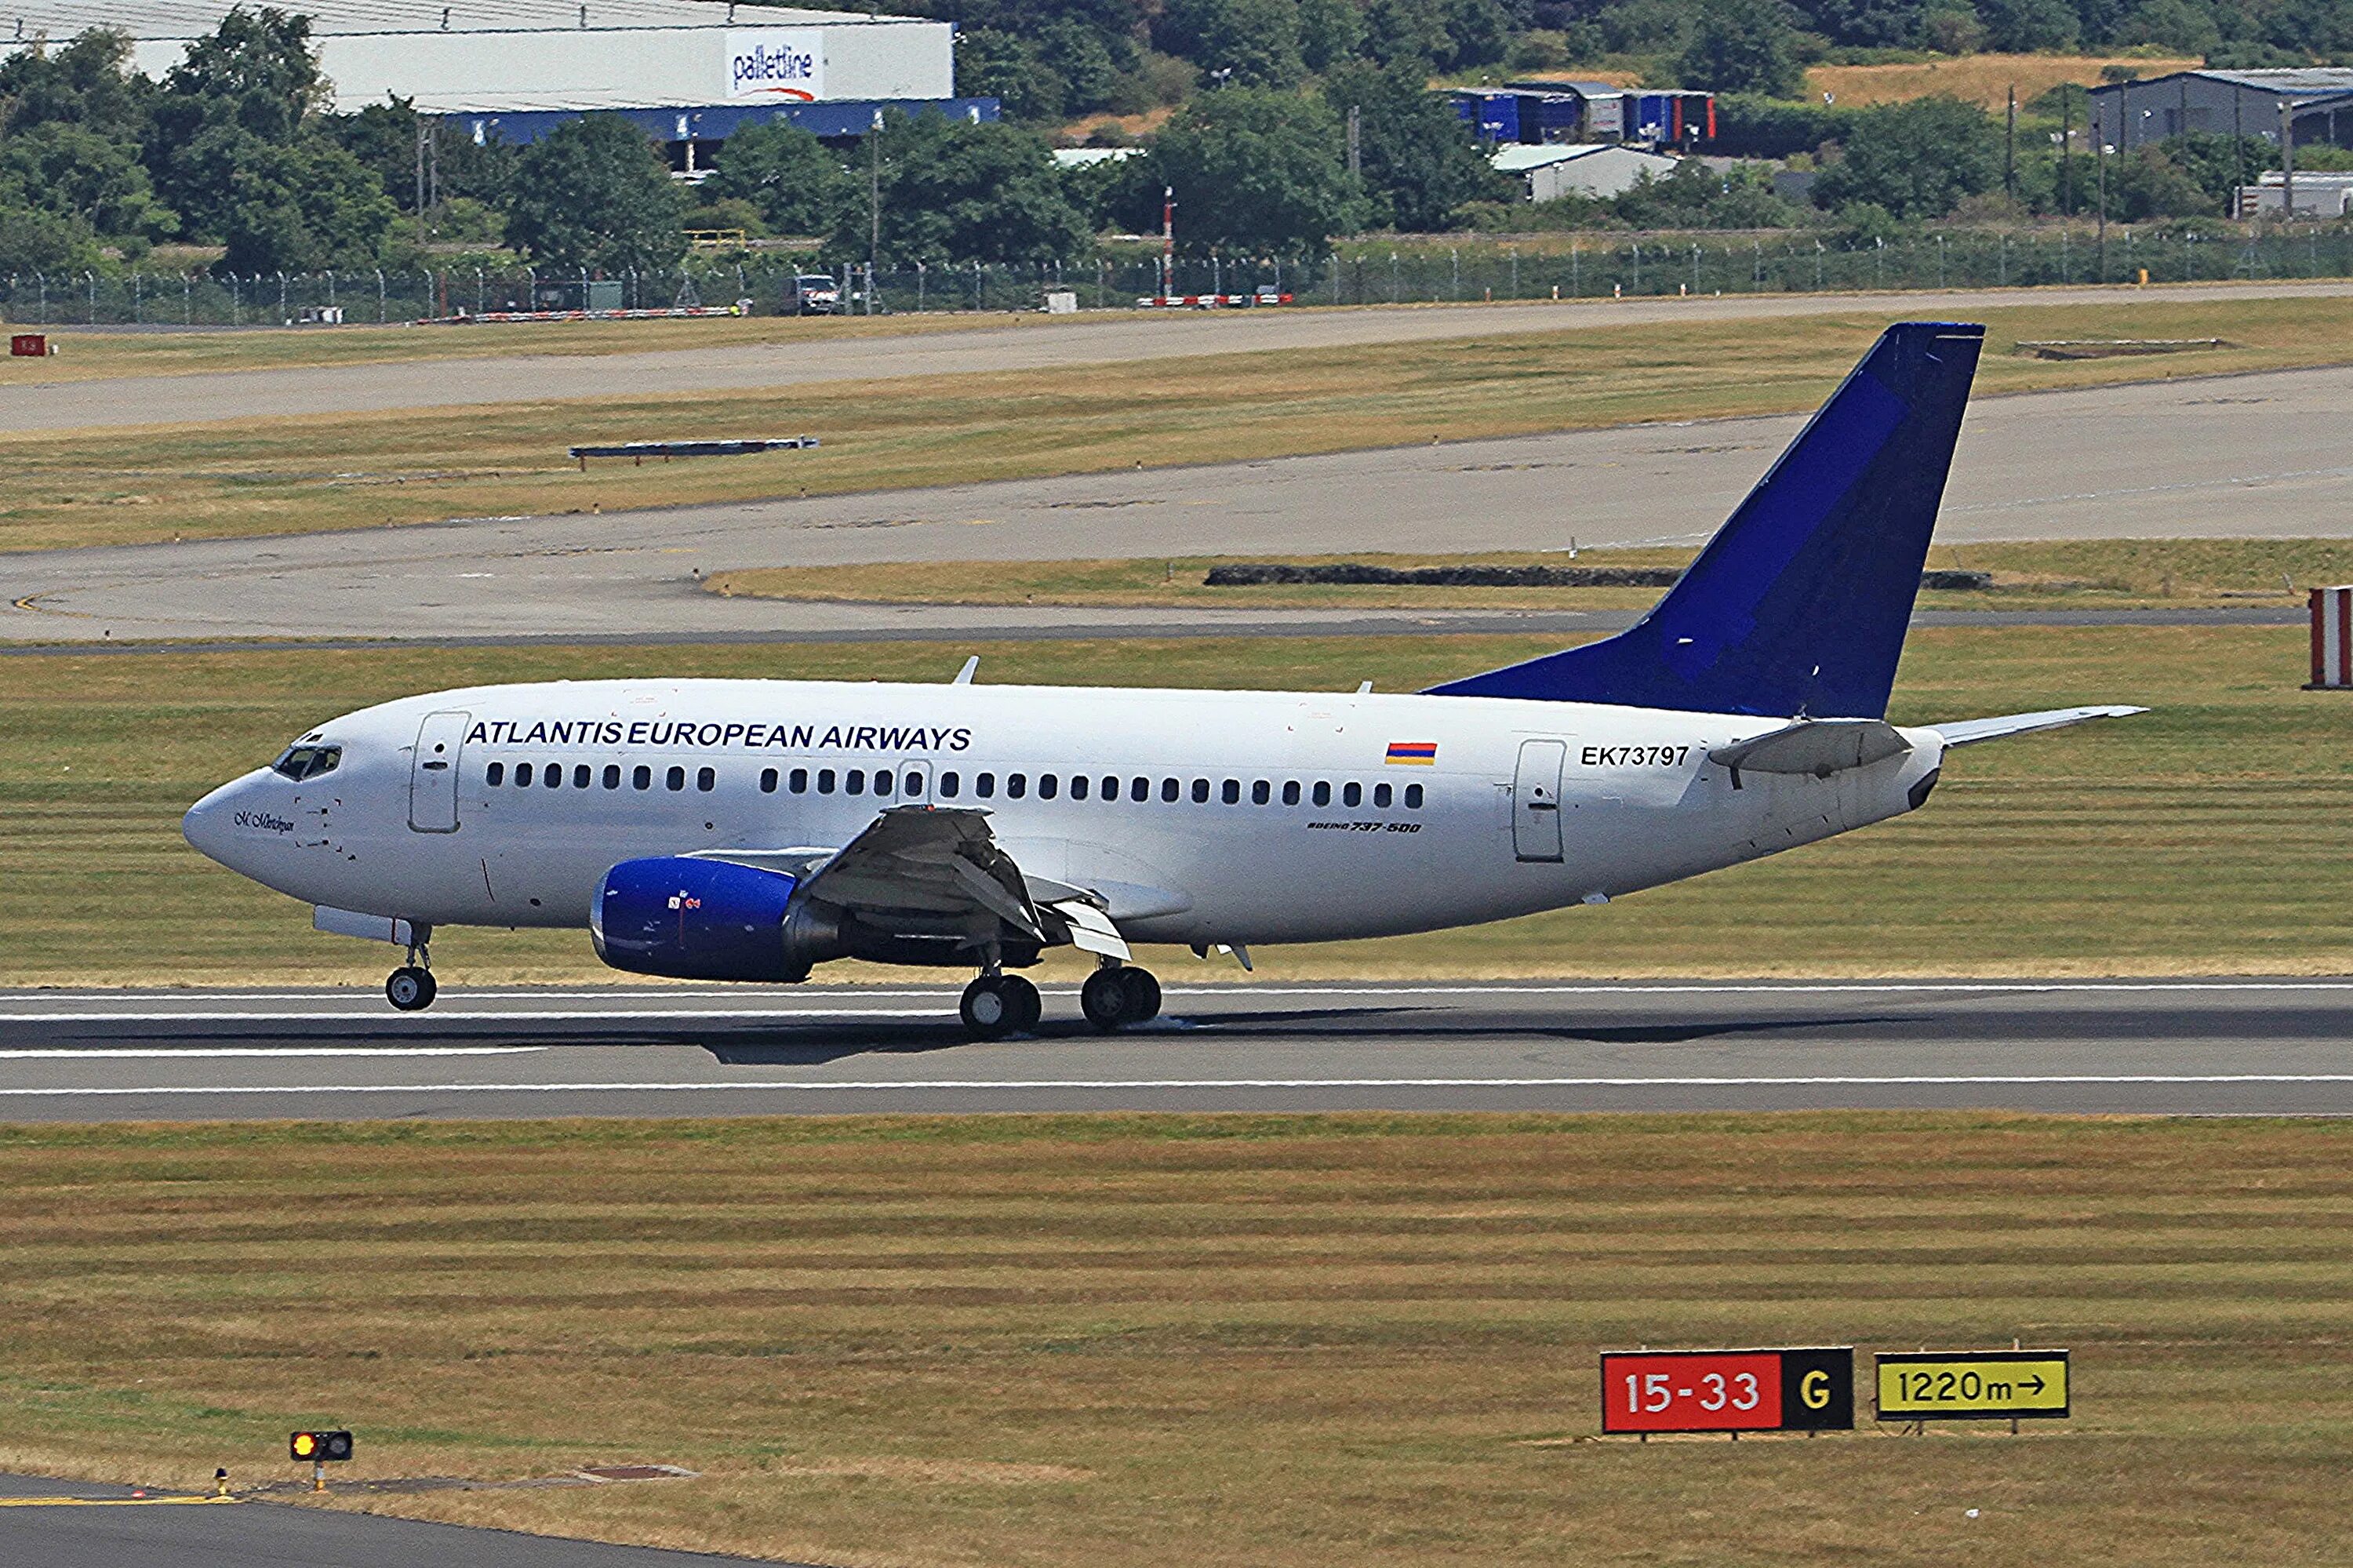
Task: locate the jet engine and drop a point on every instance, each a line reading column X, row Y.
column 685, row 918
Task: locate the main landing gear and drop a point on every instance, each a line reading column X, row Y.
column 410, row 987
column 997, row 1005
column 1119, row 994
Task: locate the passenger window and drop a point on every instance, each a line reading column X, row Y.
column 1352, row 794
column 676, row 778
column 706, row 780
column 1078, row 786
column 1381, row 796
column 985, row 785
column 884, row 784
column 800, row 781
column 767, row 780
column 1016, row 785
column 1200, row 791
column 1322, row 794
column 523, row 774
column 553, row 776
column 1048, row 786
column 1261, row 793
column 1290, row 791
column 1168, row 789
column 951, row 786
column 612, row 776
column 1232, row 792
column 825, row 780
column 495, row 774
column 641, row 778
column 1110, row 786
column 1413, row 797
column 854, row 782
column 911, row 785
column 580, row 777
column 1139, row 790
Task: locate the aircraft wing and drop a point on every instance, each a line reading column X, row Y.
column 937, row 871
column 1968, row 732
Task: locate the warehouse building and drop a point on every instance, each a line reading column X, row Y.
column 1532, row 114
column 2250, row 103
column 687, row 72
column 1600, row 169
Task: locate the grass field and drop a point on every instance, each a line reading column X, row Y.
column 1982, row 80
column 96, row 356
column 2209, row 836
column 1291, row 1342
column 2086, row 573
column 369, row 471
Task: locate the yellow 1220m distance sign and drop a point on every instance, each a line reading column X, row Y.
column 1972, row 1385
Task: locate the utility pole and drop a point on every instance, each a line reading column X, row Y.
column 2100, row 169
column 422, row 133
column 1168, row 240
column 2066, row 153
column 1356, row 140
column 873, row 206
column 2010, row 149
column 2287, row 159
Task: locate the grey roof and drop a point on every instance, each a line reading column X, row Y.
column 2299, row 81
column 170, row 19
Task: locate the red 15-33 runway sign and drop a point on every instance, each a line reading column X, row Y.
column 1809, row 1390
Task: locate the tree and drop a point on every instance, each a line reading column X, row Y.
column 1257, row 173
column 2175, row 25
column 34, row 241
column 1744, row 45
column 303, row 206
column 1419, row 162
column 594, row 193
column 1330, row 31
column 76, row 172
column 88, row 83
column 2025, row 26
column 1917, row 160
column 255, row 71
column 1256, row 41
column 955, row 191
column 2145, row 182
column 796, row 183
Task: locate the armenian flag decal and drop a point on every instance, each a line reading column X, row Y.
column 1413, row 753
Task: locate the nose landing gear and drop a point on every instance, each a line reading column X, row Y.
column 997, row 1005
column 1119, row 994
column 411, row 988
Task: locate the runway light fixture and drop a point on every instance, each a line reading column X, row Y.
column 318, row 1450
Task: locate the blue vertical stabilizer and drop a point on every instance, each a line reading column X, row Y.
column 1799, row 603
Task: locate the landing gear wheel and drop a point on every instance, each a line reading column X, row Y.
column 1104, row 999
column 410, row 988
column 1140, row 994
column 1022, row 997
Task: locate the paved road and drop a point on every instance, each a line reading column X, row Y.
column 2255, row 1047
column 2255, row 456
column 1024, row 343
column 120, row 1531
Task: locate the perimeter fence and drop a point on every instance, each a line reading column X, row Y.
column 1411, row 272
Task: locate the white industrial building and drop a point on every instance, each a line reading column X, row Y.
column 1600, row 169
column 688, row 70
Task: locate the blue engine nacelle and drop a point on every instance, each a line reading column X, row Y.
column 704, row 919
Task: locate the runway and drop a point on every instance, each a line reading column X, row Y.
column 108, row 1527
column 2220, row 1047
column 1022, row 342
column 2252, row 456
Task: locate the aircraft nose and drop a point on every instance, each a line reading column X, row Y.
column 208, row 826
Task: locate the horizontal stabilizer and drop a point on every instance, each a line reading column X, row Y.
column 1820, row 747
column 1968, row 732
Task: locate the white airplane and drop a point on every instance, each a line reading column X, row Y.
column 754, row 830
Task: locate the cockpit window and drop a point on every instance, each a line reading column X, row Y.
column 303, row 762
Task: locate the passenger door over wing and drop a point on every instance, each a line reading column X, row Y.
column 433, row 772
column 1535, row 799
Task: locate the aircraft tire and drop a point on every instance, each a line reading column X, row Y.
column 1027, row 1005
column 1139, row 995
column 1104, row 999
column 410, row 988
column 986, row 1010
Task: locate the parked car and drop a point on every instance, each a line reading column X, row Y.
column 816, row 294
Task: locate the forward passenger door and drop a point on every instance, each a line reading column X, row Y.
column 433, row 772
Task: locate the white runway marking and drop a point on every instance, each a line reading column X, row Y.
column 133, row 1053
column 733, row 1086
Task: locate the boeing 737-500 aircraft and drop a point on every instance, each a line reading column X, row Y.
column 754, row 830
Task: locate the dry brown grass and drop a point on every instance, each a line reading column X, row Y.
column 1287, row 1340
column 347, row 470
column 1983, row 80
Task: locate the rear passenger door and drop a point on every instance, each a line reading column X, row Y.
column 1535, row 799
